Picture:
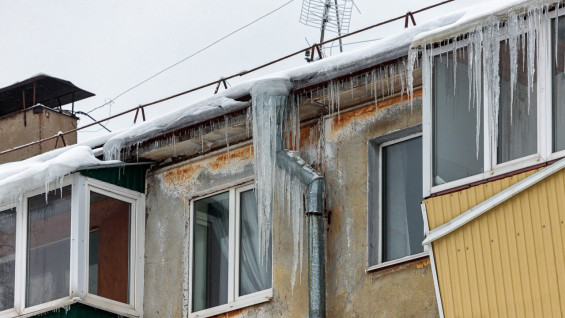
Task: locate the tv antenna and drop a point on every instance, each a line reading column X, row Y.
column 331, row 15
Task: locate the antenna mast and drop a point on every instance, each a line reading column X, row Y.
column 329, row 15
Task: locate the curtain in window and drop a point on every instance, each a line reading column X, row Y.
column 254, row 266
column 211, row 247
column 517, row 119
column 403, row 227
column 455, row 128
column 7, row 257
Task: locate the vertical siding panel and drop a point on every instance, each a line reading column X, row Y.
column 467, row 251
column 558, row 230
column 503, row 218
column 519, row 256
column 459, row 251
column 443, row 270
column 540, row 250
column 443, row 266
column 494, row 247
column 486, row 267
column 479, row 259
column 454, row 268
column 544, row 210
column 531, row 253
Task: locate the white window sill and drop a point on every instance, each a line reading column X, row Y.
column 242, row 302
column 395, row 262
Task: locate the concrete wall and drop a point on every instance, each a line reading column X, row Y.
column 335, row 145
column 402, row 291
column 169, row 193
column 25, row 127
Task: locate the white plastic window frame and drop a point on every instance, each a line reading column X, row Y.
column 136, row 248
column 234, row 300
column 12, row 312
column 380, row 263
column 78, row 287
column 490, row 166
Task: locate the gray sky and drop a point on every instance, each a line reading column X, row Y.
column 108, row 46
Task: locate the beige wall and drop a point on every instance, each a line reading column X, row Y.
column 26, row 127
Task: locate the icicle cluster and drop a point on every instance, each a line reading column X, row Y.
column 266, row 112
column 196, row 134
column 276, row 123
column 381, row 81
column 482, row 46
column 290, row 198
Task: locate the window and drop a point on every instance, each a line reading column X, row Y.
column 455, row 152
column 7, row 257
column 229, row 269
column 494, row 106
column 396, row 228
column 48, row 246
column 82, row 239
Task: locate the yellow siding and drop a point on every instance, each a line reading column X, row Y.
column 509, row 262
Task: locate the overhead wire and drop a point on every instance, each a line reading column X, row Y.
column 223, row 79
column 190, row 56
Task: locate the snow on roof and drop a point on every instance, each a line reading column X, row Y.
column 384, row 50
column 478, row 16
column 26, row 175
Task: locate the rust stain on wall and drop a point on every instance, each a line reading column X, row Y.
column 346, row 118
column 183, row 174
column 226, row 159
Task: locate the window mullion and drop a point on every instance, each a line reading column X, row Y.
column 237, row 243
column 427, row 129
column 20, row 261
column 79, row 240
column 489, row 149
column 380, row 207
column 545, row 88
column 231, row 253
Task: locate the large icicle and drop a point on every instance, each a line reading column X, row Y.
column 270, row 99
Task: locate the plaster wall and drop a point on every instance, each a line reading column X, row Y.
column 169, row 193
column 25, row 127
column 402, row 291
column 335, row 145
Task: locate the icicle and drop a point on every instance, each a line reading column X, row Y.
column 533, row 21
column 226, row 120
column 513, row 34
column 412, row 57
column 454, row 41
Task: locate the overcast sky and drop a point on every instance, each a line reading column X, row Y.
column 108, row 46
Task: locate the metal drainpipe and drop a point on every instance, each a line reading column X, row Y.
column 271, row 90
column 291, row 162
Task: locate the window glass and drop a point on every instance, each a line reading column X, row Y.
column 402, row 223
column 517, row 119
column 109, row 247
column 558, row 63
column 7, row 257
column 211, row 252
column 254, row 267
column 93, row 262
column 455, row 154
column 48, row 246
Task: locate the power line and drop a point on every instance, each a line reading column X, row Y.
column 191, row 55
column 224, row 79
